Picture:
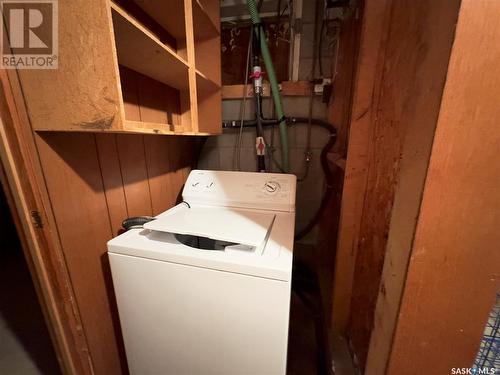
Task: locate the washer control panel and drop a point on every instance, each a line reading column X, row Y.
column 241, row 189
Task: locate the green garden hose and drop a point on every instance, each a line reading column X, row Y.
column 254, row 14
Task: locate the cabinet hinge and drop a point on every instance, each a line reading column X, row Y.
column 37, row 219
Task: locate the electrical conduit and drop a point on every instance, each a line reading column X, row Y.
column 254, row 14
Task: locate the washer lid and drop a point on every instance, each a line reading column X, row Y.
column 217, row 223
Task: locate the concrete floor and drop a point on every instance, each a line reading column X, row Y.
column 14, row 359
column 25, row 345
column 302, row 345
column 342, row 362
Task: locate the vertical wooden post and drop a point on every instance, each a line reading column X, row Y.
column 191, row 60
column 374, row 27
column 453, row 273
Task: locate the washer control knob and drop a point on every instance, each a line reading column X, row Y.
column 271, row 187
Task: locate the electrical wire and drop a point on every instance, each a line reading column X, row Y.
column 320, row 47
column 308, row 153
column 288, row 5
column 336, row 58
column 336, row 40
column 320, row 44
column 278, row 13
column 328, row 190
column 243, row 105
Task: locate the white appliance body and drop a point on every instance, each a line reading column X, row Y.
column 185, row 310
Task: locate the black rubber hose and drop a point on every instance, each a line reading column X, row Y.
column 136, row 222
column 261, row 159
column 328, row 190
column 323, row 158
column 235, row 124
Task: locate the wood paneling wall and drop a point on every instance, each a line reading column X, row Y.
column 22, row 165
column 404, row 54
column 95, row 181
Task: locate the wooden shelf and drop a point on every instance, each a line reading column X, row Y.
column 139, row 127
column 209, row 108
column 171, row 20
column 205, row 84
column 206, row 38
column 204, row 27
column 148, row 127
column 140, row 50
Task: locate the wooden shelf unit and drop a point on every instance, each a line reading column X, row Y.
column 131, row 66
column 169, row 85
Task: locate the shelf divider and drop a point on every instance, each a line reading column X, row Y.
column 193, row 97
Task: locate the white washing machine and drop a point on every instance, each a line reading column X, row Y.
column 205, row 288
